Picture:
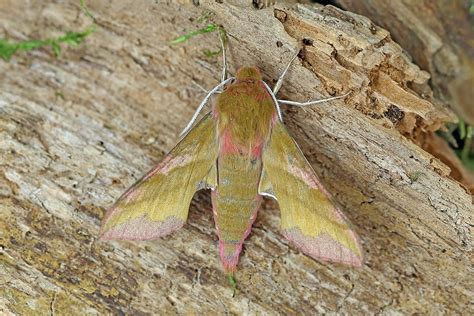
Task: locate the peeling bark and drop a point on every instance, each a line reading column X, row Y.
column 439, row 35
column 76, row 131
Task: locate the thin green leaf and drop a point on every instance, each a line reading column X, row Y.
column 208, row 53
column 466, row 149
column 86, row 10
column 56, row 48
column 211, row 27
column 233, row 283
column 8, row 49
column 462, row 129
column 30, row 45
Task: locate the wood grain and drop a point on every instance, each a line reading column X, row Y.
column 76, row 131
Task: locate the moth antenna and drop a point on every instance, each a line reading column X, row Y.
column 224, row 59
column 280, row 80
column 275, row 101
column 203, row 103
column 312, row 102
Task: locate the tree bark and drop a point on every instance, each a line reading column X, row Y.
column 76, row 131
column 439, row 35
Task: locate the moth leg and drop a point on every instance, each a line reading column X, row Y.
column 280, row 80
column 275, row 101
column 312, row 102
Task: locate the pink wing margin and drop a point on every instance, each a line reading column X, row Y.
column 309, row 219
column 158, row 203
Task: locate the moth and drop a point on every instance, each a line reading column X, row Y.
column 242, row 152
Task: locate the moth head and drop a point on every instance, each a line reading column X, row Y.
column 248, row 73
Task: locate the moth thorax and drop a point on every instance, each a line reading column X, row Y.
column 248, row 73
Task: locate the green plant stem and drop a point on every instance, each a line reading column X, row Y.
column 233, row 283
column 86, row 11
column 211, row 27
column 7, row 49
column 467, row 144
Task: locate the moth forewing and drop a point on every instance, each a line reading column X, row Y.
column 158, row 203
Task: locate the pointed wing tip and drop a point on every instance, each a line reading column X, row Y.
column 105, row 235
column 111, row 234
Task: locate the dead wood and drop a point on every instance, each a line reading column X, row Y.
column 439, row 36
column 76, row 131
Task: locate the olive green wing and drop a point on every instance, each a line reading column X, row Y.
column 308, row 217
column 158, row 203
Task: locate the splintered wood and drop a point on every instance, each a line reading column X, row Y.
column 76, row 131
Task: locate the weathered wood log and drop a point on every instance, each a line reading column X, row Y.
column 76, row 131
column 439, row 35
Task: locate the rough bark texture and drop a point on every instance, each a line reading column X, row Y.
column 76, row 131
column 439, row 35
